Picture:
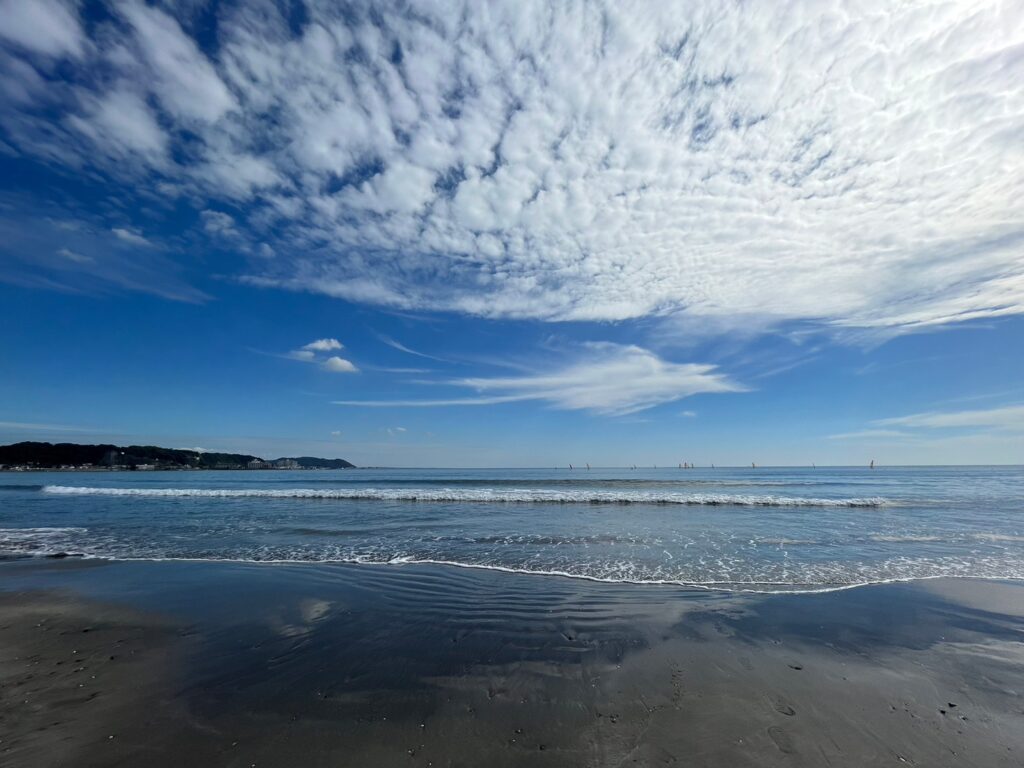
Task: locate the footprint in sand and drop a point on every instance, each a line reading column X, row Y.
column 782, row 706
column 782, row 740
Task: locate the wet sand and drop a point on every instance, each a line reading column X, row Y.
column 204, row 664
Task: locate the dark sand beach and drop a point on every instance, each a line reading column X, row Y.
column 207, row 664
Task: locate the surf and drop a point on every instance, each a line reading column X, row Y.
column 481, row 495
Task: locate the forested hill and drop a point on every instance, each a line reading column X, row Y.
column 56, row 455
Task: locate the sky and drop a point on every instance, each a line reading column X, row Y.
column 515, row 233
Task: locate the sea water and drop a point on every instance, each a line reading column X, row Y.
column 763, row 529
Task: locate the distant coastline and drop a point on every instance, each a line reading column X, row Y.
column 73, row 457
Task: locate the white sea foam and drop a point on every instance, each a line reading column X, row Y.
column 481, row 495
column 723, row 573
column 31, row 541
column 37, row 533
column 998, row 537
column 797, row 585
column 907, row 538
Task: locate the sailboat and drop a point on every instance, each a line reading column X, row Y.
column 588, row 467
column 570, row 466
column 872, row 464
column 753, row 465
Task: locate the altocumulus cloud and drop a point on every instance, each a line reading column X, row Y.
column 852, row 166
column 611, row 379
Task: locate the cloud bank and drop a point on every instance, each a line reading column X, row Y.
column 582, row 160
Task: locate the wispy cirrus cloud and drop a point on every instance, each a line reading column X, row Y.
column 580, row 161
column 870, row 434
column 130, row 236
column 403, row 348
column 933, row 425
column 1007, row 417
column 74, row 256
column 610, row 379
column 26, row 426
column 80, row 255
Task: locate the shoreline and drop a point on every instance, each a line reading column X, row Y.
column 726, row 588
column 332, row 664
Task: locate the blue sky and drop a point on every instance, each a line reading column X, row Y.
column 524, row 234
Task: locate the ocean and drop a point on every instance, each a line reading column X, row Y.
column 733, row 529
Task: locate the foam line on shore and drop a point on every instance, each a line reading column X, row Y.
column 723, row 586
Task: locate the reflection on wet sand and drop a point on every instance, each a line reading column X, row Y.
column 425, row 665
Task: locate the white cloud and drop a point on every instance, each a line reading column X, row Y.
column 402, row 348
column 48, row 27
column 335, row 364
column 74, row 256
column 130, row 236
column 33, row 427
column 324, row 345
column 852, row 167
column 920, row 428
column 870, row 434
column 183, row 78
column 338, row 365
column 335, row 433
column 384, row 369
column 219, row 223
column 613, row 379
column 688, row 414
column 43, row 249
column 1009, row 417
column 437, row 403
column 121, row 124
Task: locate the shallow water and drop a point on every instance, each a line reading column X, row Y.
column 765, row 529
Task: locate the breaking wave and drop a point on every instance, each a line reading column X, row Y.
column 479, row 495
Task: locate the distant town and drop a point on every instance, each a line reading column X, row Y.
column 72, row 457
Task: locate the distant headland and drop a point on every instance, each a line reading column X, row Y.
column 29, row 456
